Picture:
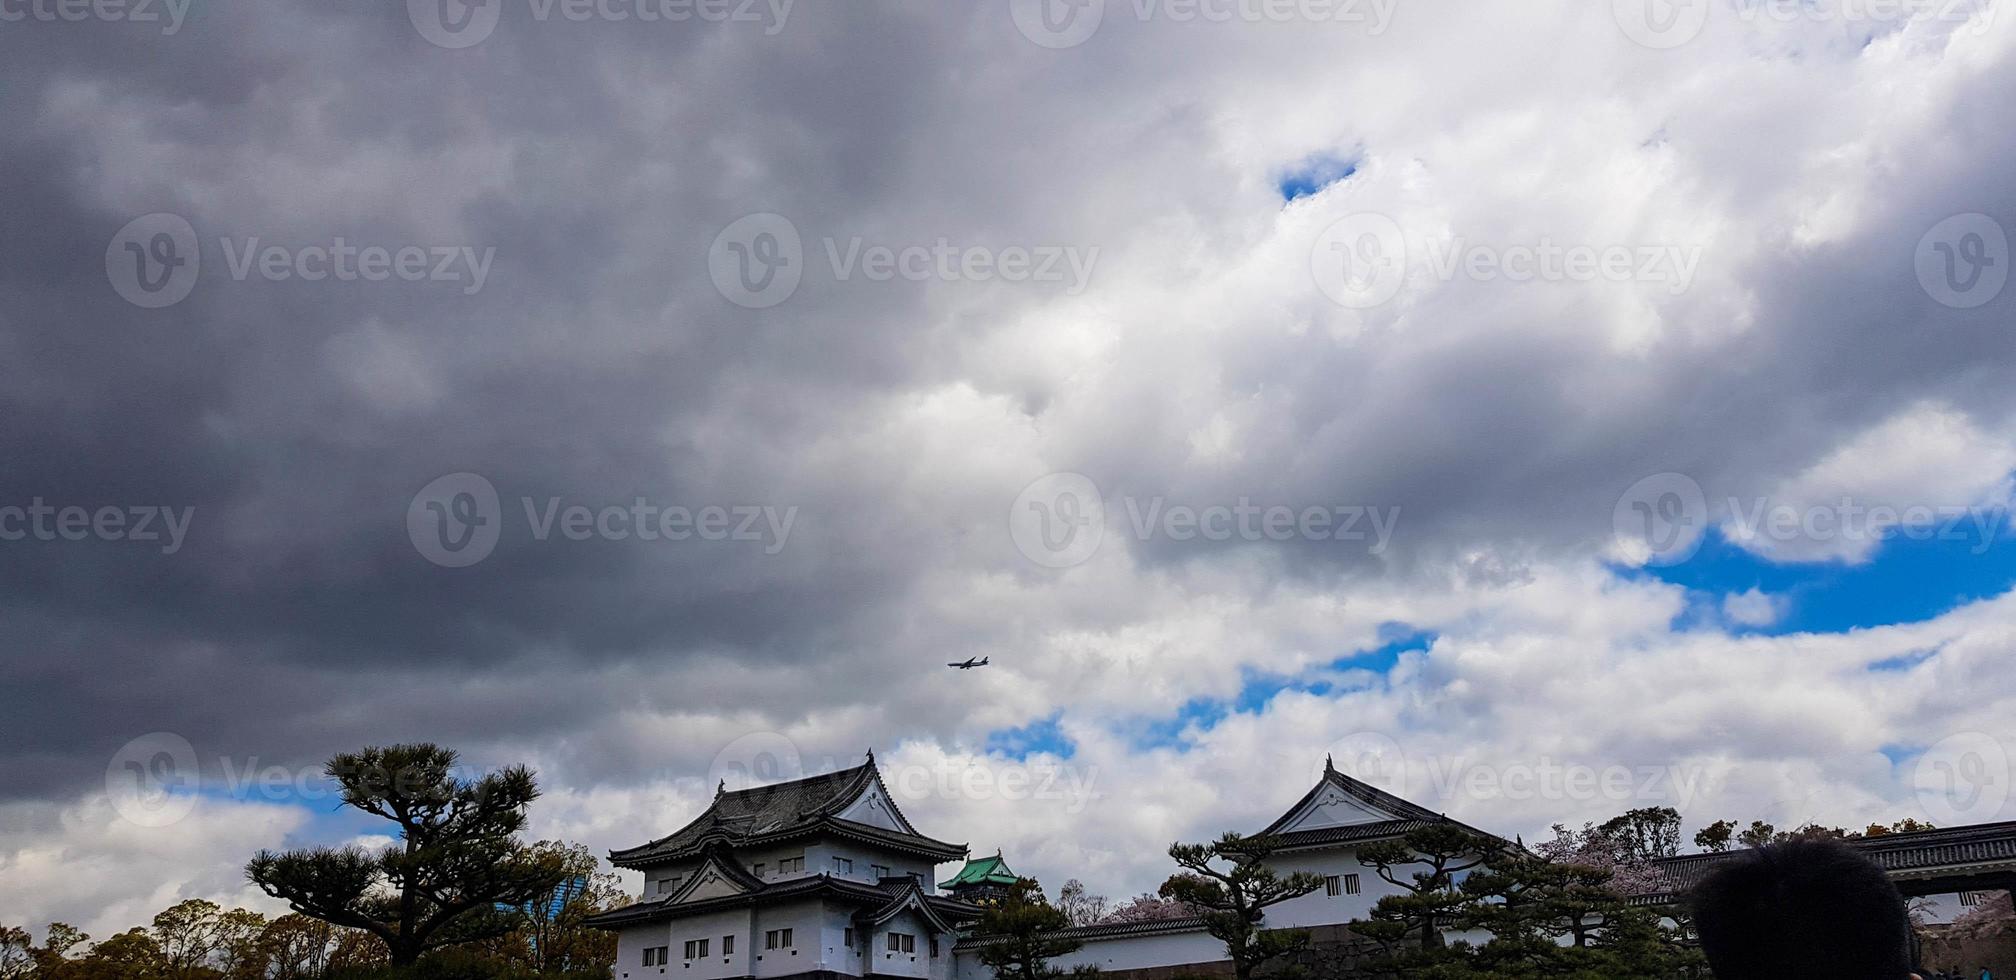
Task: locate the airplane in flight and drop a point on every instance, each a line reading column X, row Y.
column 970, row 663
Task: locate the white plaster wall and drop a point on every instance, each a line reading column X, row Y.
column 630, row 946
column 917, row 963
column 805, row 920
column 1119, row 953
column 1318, row 908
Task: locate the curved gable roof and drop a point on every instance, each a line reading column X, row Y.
column 788, row 809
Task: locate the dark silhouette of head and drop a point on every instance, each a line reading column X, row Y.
column 1802, row 910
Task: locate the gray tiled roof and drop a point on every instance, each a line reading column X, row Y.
column 781, row 811
column 867, row 896
column 1903, row 855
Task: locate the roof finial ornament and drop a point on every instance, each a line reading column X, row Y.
column 721, row 788
column 871, row 755
column 1329, row 763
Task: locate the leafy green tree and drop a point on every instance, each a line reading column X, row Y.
column 297, row 947
column 1024, row 930
column 1716, row 837
column 1644, row 834
column 17, row 953
column 1547, row 919
column 1233, row 901
column 1425, row 864
column 131, row 955
column 551, row 936
column 1758, row 834
column 54, row 954
column 458, row 858
column 188, row 934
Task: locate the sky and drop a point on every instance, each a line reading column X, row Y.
column 1544, row 411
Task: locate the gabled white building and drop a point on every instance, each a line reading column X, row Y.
column 813, row 878
column 824, row 877
column 1321, row 833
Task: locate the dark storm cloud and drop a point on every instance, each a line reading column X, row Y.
column 598, row 365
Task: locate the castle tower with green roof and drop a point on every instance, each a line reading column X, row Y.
column 981, row 880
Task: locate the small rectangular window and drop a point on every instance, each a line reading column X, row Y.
column 1350, row 884
column 843, row 866
column 934, row 947
column 1333, row 886
column 878, row 871
column 648, row 954
column 849, row 940
column 770, row 939
column 895, row 942
column 727, row 945
column 909, row 943
column 759, row 869
column 785, row 939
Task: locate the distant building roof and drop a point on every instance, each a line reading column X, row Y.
column 784, row 811
column 983, row 871
column 1929, row 854
column 1383, row 816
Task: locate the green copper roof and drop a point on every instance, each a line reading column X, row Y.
column 982, row 871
